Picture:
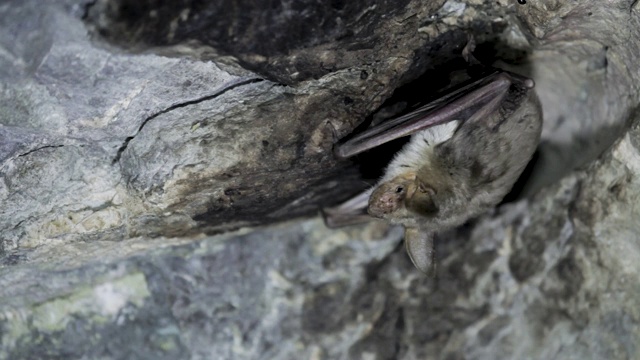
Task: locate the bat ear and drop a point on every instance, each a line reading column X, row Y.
column 419, row 246
column 422, row 200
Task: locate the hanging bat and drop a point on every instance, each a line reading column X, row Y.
column 466, row 151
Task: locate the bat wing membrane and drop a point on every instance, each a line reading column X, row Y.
column 350, row 212
column 470, row 101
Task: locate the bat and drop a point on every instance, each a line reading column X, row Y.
column 466, row 151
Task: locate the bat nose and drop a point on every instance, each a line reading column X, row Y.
column 384, row 205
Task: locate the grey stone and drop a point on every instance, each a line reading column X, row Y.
column 147, row 164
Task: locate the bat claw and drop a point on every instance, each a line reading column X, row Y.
column 340, row 153
column 469, row 48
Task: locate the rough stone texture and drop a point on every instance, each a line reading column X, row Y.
column 114, row 167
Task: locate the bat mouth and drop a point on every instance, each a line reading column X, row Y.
column 380, row 211
column 374, row 213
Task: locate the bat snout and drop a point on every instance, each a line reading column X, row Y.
column 383, row 205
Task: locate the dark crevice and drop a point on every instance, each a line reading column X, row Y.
column 181, row 105
column 430, row 85
column 40, row 148
column 86, row 8
column 400, row 329
column 425, row 88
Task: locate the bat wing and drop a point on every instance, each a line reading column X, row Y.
column 470, row 101
column 350, row 212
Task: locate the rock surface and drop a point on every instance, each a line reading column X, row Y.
column 117, row 169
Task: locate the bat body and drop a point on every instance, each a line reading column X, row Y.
column 466, row 151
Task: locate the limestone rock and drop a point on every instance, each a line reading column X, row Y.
column 132, row 132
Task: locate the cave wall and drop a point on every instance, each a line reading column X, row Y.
column 133, row 132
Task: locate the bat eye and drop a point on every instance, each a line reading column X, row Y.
column 399, row 189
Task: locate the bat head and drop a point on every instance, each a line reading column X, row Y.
column 402, row 197
column 388, row 198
